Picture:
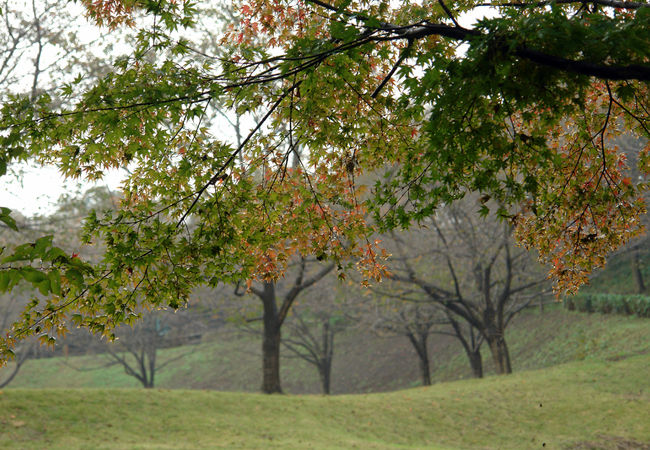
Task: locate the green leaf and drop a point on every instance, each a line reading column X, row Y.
column 55, row 281
column 75, row 277
column 5, row 277
column 44, row 287
column 343, row 32
column 55, row 254
column 32, row 275
column 21, row 253
column 6, row 218
column 41, row 245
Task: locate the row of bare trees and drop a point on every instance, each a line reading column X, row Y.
column 458, row 275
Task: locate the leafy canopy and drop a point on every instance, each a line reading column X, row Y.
column 523, row 107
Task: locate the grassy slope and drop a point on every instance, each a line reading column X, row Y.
column 587, row 404
column 362, row 363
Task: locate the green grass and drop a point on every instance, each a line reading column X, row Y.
column 586, row 404
column 362, row 362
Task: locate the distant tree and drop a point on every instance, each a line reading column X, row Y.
column 310, row 336
column 275, row 308
column 416, row 322
column 469, row 266
column 42, row 43
column 411, row 314
column 325, row 310
column 137, row 347
column 10, row 306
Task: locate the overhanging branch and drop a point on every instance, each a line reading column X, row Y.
column 607, row 72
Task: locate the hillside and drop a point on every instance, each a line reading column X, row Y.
column 363, row 362
column 580, row 405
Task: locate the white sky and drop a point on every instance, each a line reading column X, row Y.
column 38, row 189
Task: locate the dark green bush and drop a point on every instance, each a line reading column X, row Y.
column 639, row 305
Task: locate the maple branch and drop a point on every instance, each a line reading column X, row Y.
column 607, row 72
column 449, row 13
column 354, row 15
column 234, row 154
column 387, row 78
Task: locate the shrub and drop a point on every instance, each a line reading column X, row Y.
column 638, row 305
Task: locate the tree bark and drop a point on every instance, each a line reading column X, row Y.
column 425, row 371
column 328, row 352
column 270, row 342
column 420, row 344
column 636, row 269
column 475, row 362
column 325, row 371
column 500, row 354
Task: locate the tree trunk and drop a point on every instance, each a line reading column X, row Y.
column 425, row 371
column 325, row 367
column 270, row 343
column 420, row 344
column 471, row 345
column 271, row 360
column 636, row 269
column 475, row 362
column 325, row 371
column 500, row 354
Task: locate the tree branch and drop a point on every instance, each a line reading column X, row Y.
column 607, row 72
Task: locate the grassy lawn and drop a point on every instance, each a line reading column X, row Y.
column 362, row 362
column 586, row 404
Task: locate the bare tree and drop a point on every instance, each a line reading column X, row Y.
column 471, row 268
column 10, row 306
column 417, row 322
column 311, row 338
column 405, row 313
column 137, row 348
column 41, row 46
column 275, row 308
